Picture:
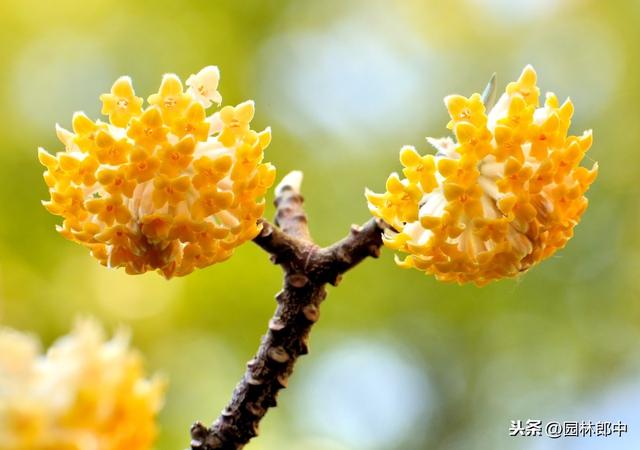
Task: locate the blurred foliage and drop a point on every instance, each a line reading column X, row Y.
column 344, row 85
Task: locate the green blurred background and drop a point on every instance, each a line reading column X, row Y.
column 398, row 360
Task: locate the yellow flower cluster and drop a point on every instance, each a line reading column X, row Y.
column 84, row 393
column 502, row 197
column 166, row 187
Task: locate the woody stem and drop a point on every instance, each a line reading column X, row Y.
column 307, row 269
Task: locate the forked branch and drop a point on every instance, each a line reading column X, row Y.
column 307, row 269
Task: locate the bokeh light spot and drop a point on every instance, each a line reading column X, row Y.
column 366, row 394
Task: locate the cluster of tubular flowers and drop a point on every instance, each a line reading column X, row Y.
column 166, row 187
column 503, row 196
column 85, row 393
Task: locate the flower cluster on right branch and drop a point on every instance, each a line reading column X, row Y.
column 505, row 195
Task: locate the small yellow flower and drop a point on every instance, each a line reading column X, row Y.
column 176, row 158
column 162, row 190
column 109, row 210
column 69, row 202
column 116, row 181
column 121, row 104
column 473, row 140
column 80, row 169
column 235, row 121
column 84, row 392
column 185, row 229
column 148, row 130
column 419, row 169
column 516, row 177
column 211, row 201
column 400, row 202
column 246, row 156
column 156, row 227
column 111, row 151
column 468, row 110
column 171, row 99
column 209, row 170
column 118, row 235
column 143, row 165
column 520, row 115
column 504, row 197
column 463, row 199
column 544, row 136
column 194, row 123
column 508, row 143
column 85, row 132
column 494, row 229
column 526, row 87
column 171, row 191
column 463, row 171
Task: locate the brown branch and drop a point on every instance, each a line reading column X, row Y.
column 290, row 215
column 307, row 268
column 282, row 247
column 362, row 241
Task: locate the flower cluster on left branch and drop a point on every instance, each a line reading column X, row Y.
column 166, row 187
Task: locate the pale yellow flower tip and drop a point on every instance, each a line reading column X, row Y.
column 203, row 86
column 161, row 188
column 501, row 198
column 86, row 391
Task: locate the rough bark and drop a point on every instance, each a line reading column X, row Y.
column 307, row 269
